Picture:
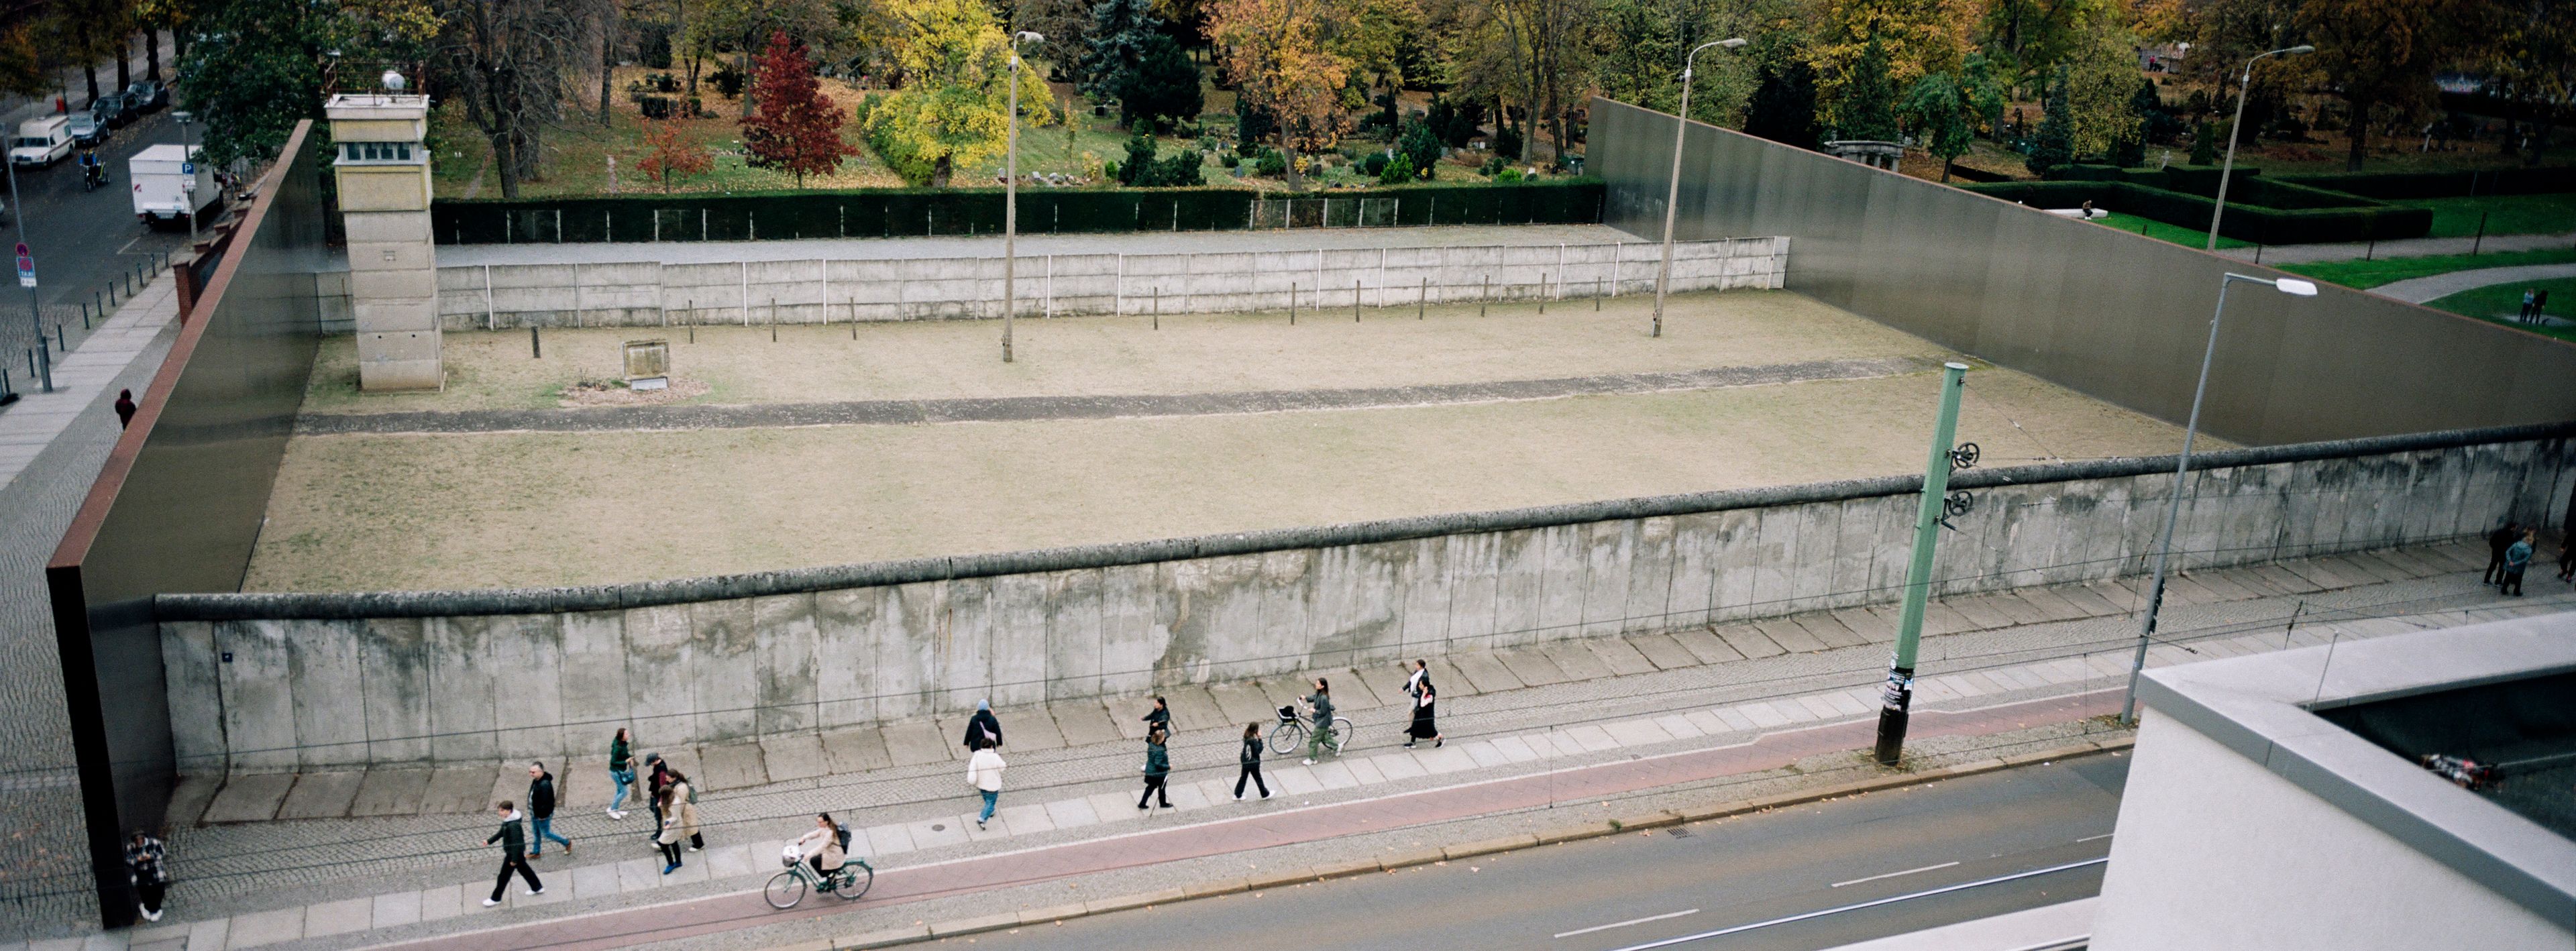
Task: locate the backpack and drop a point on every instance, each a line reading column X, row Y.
column 843, row 834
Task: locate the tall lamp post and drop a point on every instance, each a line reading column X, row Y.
column 1673, row 193
column 1011, row 195
column 188, row 183
column 2242, row 84
column 2182, row 466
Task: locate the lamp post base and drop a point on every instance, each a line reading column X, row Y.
column 1896, row 701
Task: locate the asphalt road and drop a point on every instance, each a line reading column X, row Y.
column 1623, row 891
column 81, row 239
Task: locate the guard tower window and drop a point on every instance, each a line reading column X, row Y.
column 375, row 153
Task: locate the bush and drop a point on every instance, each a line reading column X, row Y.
column 1374, row 164
column 1508, row 175
column 1271, row 162
column 1507, row 142
column 1397, row 172
column 1230, row 159
column 1493, row 166
column 1110, row 169
column 728, row 81
column 1419, row 144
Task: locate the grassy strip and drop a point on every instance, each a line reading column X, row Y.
column 2504, row 214
column 2172, row 234
column 2499, row 303
column 2368, row 274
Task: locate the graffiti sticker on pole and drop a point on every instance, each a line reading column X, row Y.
column 26, row 266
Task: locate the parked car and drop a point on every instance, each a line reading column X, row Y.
column 109, row 110
column 147, row 95
column 86, row 130
column 41, row 142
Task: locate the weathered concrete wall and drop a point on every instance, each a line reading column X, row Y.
column 335, row 680
column 834, row 291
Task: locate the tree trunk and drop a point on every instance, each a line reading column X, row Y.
column 607, row 42
column 1946, row 164
column 90, row 71
column 504, row 162
column 2360, row 129
column 152, row 54
column 940, row 170
column 745, row 69
column 125, row 61
column 693, row 74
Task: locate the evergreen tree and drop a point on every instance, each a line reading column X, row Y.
column 2054, row 150
column 1165, row 84
column 1121, row 32
column 1869, row 98
column 1420, row 146
column 1783, row 108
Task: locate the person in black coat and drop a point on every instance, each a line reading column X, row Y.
column 985, row 729
column 1159, row 718
column 514, row 855
column 541, row 810
column 2497, row 542
column 1251, row 760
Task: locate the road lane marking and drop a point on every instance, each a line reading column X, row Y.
column 1632, row 921
column 1804, row 916
column 2090, row 838
column 1910, row 871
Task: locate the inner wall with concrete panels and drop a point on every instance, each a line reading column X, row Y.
column 804, row 654
column 649, row 293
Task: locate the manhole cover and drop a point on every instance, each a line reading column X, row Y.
column 936, row 827
column 1679, row 832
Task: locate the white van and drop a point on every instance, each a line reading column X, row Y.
column 166, row 188
column 41, row 142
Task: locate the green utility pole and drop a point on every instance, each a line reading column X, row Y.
column 1897, row 696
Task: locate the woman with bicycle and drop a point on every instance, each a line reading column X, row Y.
column 825, row 846
column 1320, row 738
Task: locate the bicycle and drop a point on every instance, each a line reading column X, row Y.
column 787, row 888
column 1291, row 732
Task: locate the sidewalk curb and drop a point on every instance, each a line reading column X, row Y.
column 1280, row 878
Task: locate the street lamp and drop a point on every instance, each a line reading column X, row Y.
column 1011, row 193
column 1673, row 194
column 2173, row 508
column 2242, row 84
column 188, row 182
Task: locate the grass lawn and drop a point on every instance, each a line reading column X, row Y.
column 2176, row 234
column 2368, row 274
column 2501, row 302
column 2505, row 214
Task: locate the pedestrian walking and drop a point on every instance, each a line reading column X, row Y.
column 685, row 796
column 1158, row 766
column 1251, row 760
column 2529, row 297
column 667, row 838
column 1320, row 703
column 2497, row 541
column 514, row 854
column 621, row 769
column 2516, row 558
column 657, row 777
column 984, row 772
column 2540, row 305
column 124, row 408
column 1425, row 696
column 2566, row 561
column 146, row 870
column 985, row 730
column 1159, row 718
column 541, row 810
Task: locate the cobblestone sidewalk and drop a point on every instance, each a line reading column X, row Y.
column 332, row 883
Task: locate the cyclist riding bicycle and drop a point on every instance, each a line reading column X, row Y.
column 834, row 845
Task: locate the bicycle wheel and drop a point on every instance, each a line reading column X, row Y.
column 1287, row 737
column 785, row 890
column 1341, row 732
column 856, row 879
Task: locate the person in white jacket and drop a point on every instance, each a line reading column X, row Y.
column 984, row 772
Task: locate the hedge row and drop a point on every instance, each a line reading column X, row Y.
column 2511, row 181
column 890, row 213
column 2245, row 222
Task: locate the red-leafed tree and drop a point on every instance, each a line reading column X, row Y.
column 670, row 153
column 798, row 129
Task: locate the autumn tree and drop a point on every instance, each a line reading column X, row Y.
column 1535, row 54
column 2381, row 54
column 1643, row 42
column 798, row 129
column 509, row 61
column 2024, row 40
column 1914, row 37
column 2101, row 77
column 1783, row 105
column 1946, row 110
column 1276, row 53
column 669, row 152
column 2533, row 61
column 954, row 109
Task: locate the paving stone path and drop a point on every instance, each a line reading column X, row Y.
column 1029, row 408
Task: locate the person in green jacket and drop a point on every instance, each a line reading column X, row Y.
column 1320, row 703
column 1158, row 766
column 621, row 769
